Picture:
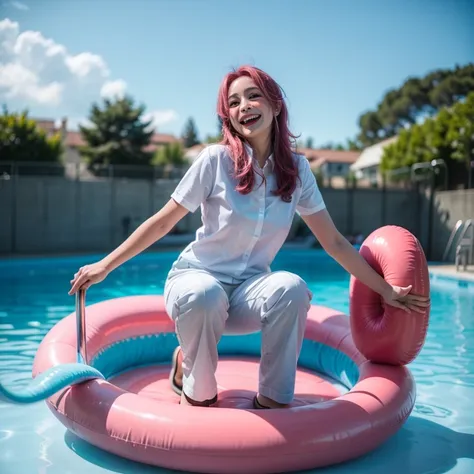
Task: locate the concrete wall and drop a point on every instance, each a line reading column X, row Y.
column 364, row 210
column 56, row 215
column 449, row 207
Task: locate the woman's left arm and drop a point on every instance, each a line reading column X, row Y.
column 338, row 247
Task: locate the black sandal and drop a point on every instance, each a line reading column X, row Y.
column 178, row 389
column 205, row 403
column 257, row 405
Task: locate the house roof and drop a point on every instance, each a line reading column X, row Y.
column 317, row 157
column 193, row 152
column 73, row 139
column 48, row 126
column 372, row 155
column 160, row 139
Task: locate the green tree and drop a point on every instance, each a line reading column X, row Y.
column 218, row 137
column 370, row 125
column 460, row 132
column 436, row 131
column 119, row 135
column 309, row 142
column 22, row 140
column 170, row 154
column 449, row 136
column 417, row 98
column 190, row 134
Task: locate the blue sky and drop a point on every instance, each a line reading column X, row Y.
column 334, row 59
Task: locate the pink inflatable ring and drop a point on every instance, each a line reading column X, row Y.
column 135, row 414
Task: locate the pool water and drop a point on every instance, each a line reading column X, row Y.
column 437, row 438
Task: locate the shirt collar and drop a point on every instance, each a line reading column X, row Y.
column 270, row 160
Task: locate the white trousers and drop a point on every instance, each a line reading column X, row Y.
column 204, row 308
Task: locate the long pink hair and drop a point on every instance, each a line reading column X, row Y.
column 285, row 167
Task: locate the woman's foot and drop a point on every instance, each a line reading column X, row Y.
column 185, row 400
column 261, row 401
column 176, row 381
column 176, row 374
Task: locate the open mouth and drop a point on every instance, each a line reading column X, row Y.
column 250, row 120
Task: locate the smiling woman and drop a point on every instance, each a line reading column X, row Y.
column 249, row 188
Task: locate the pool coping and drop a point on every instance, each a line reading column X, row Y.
column 447, row 273
column 438, row 271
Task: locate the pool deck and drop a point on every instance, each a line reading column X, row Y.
column 450, row 271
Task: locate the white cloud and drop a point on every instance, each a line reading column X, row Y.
column 160, row 117
column 19, row 81
column 19, row 6
column 36, row 71
column 84, row 65
column 112, row 89
column 9, row 31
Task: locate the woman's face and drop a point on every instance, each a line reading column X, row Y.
column 251, row 114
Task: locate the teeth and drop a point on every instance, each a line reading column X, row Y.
column 250, row 118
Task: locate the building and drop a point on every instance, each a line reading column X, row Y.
column 367, row 167
column 334, row 165
column 193, row 152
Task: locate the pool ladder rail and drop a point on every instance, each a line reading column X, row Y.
column 464, row 244
column 60, row 376
column 81, row 343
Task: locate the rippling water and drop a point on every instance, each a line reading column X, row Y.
column 438, row 437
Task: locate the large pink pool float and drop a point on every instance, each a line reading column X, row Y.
column 134, row 413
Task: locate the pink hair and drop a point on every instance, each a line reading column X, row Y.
column 285, row 167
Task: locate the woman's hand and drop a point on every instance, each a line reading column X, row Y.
column 87, row 276
column 400, row 297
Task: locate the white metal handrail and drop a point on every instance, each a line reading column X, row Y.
column 465, row 246
column 81, row 347
column 458, row 225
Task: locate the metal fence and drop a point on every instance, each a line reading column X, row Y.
column 82, row 172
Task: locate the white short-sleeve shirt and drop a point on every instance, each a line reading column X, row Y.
column 240, row 234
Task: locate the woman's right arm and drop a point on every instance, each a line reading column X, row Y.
column 150, row 231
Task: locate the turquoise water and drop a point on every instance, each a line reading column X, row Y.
column 438, row 437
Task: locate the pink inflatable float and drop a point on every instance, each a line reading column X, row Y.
column 134, row 414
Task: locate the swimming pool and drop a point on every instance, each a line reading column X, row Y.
column 438, row 437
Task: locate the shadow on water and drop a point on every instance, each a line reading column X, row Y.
column 421, row 446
